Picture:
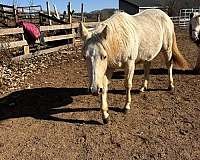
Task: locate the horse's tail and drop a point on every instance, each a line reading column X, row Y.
column 177, row 57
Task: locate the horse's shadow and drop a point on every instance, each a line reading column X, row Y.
column 42, row 103
column 155, row 71
column 117, row 75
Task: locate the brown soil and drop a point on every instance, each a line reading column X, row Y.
column 56, row 118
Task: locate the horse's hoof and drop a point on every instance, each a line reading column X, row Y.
column 126, row 111
column 170, row 88
column 143, row 89
column 106, row 120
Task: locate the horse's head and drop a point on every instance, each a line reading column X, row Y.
column 96, row 57
column 195, row 27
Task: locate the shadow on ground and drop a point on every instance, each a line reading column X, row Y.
column 42, row 103
column 155, row 71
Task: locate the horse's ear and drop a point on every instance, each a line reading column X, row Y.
column 191, row 15
column 83, row 31
column 104, row 32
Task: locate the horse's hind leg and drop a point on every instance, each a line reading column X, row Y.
column 169, row 64
column 171, row 83
column 147, row 65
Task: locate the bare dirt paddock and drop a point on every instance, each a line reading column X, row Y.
column 56, row 118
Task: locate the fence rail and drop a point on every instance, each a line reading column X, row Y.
column 23, row 43
column 184, row 17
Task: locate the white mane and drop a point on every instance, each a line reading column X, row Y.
column 120, row 28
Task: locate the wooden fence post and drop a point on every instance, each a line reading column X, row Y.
column 15, row 13
column 69, row 13
column 56, row 12
column 82, row 14
column 49, row 12
column 98, row 17
column 2, row 14
column 40, row 18
column 26, row 47
column 74, row 35
column 30, row 16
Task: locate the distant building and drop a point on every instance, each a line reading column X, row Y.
column 136, row 6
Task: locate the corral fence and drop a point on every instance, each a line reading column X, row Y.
column 69, row 35
column 58, row 30
column 183, row 19
column 9, row 15
column 30, row 13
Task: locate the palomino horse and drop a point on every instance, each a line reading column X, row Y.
column 195, row 35
column 123, row 40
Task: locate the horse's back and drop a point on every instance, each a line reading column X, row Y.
column 155, row 29
column 156, row 15
column 140, row 36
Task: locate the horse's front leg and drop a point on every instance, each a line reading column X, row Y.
column 104, row 103
column 129, row 72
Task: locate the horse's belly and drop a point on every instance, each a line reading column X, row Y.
column 148, row 55
column 148, row 52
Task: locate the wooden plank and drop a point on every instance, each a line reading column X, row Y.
column 28, row 13
column 14, row 44
column 45, row 28
column 6, row 17
column 33, row 18
column 45, row 51
column 34, row 6
column 66, row 26
column 6, row 6
column 52, row 18
column 60, row 37
column 8, row 12
column 11, row 31
column 91, row 24
column 59, row 27
column 26, row 49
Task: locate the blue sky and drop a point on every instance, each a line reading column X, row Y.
column 89, row 5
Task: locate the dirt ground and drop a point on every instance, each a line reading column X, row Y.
column 55, row 117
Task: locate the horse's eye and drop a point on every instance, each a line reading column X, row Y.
column 103, row 57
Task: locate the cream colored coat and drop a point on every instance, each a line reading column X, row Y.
column 124, row 40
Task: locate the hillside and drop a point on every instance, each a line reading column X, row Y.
column 104, row 14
